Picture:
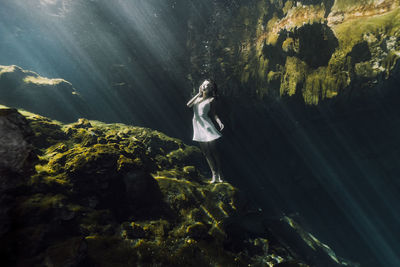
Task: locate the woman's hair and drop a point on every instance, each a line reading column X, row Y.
column 212, row 85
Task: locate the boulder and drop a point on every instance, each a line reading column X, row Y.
column 55, row 98
column 16, row 150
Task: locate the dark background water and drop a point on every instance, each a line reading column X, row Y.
column 125, row 58
column 335, row 165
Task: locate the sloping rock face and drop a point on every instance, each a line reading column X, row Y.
column 17, row 158
column 55, row 98
column 312, row 88
column 16, row 150
column 316, row 49
column 117, row 195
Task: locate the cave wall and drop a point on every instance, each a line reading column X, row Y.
column 309, row 91
column 320, row 49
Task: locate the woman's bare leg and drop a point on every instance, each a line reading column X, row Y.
column 216, row 158
column 205, row 147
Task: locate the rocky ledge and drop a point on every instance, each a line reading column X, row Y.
column 55, row 98
column 95, row 194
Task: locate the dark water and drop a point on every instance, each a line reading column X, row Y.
column 336, row 168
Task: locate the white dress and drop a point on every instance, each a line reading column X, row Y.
column 203, row 128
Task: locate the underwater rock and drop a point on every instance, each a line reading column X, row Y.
column 16, row 150
column 54, row 98
column 304, row 245
column 138, row 198
column 317, row 49
column 72, row 252
column 142, row 192
column 17, row 158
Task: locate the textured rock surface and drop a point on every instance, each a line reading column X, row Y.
column 16, row 150
column 326, row 121
column 317, row 49
column 17, row 159
column 55, row 98
column 118, row 195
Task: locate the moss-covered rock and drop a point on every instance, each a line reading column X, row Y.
column 118, row 195
column 320, row 49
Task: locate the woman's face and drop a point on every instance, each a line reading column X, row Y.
column 206, row 88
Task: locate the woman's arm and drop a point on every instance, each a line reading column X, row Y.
column 191, row 101
column 215, row 116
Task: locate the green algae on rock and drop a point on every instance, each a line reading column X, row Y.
column 118, row 195
column 278, row 48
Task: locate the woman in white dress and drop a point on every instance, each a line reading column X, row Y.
column 204, row 130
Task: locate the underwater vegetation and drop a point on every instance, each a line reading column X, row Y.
column 310, row 101
column 316, row 49
column 95, row 194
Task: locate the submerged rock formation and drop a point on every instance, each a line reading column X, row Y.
column 55, row 98
column 16, row 161
column 313, row 121
column 316, row 49
column 117, row 195
column 312, row 88
column 16, row 150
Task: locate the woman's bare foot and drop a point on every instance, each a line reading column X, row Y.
column 220, row 178
column 214, row 179
column 217, row 180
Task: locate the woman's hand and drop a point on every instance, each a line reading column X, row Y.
column 221, row 125
column 191, row 101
